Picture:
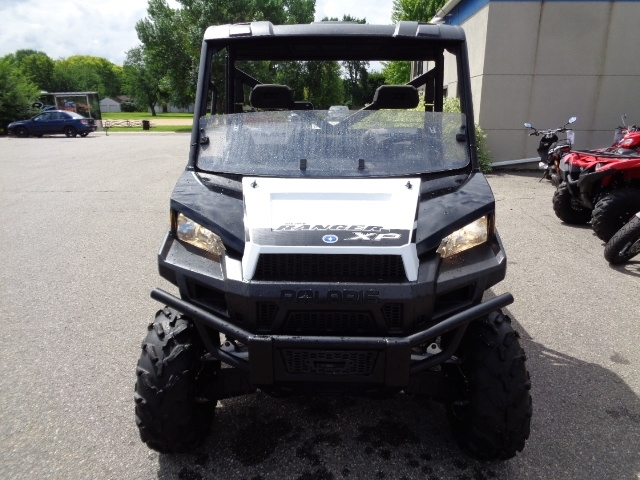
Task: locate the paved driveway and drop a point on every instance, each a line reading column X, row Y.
column 81, row 223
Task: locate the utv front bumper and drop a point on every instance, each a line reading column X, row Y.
column 382, row 361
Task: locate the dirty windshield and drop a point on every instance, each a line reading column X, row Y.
column 317, row 144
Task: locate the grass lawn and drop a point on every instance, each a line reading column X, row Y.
column 142, row 115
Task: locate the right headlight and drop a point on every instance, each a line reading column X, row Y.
column 476, row 233
column 193, row 233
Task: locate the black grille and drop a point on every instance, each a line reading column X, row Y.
column 266, row 315
column 327, row 268
column 392, row 313
column 329, row 323
column 301, row 362
column 208, row 296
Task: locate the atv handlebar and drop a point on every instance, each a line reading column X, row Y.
column 551, row 131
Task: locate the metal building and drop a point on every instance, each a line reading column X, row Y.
column 545, row 61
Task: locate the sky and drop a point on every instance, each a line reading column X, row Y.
column 102, row 28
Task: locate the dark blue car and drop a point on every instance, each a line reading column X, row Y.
column 54, row 122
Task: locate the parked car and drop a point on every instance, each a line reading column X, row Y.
column 53, row 122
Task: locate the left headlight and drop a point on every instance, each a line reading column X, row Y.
column 476, row 233
column 195, row 234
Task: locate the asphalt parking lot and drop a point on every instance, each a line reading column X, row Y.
column 82, row 220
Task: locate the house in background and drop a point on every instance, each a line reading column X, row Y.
column 545, row 61
column 112, row 104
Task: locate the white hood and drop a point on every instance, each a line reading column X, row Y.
column 374, row 216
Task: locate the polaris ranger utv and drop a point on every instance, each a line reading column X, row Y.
column 324, row 254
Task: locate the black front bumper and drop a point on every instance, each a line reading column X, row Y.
column 383, row 361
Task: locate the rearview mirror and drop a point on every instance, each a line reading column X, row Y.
column 572, row 119
column 528, row 125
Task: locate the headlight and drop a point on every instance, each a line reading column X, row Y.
column 473, row 234
column 195, row 234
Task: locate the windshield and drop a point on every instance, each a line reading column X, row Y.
column 363, row 143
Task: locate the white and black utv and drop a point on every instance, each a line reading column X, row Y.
column 316, row 253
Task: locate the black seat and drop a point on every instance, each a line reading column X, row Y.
column 271, row 97
column 395, row 97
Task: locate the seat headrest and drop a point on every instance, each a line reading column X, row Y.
column 396, row 97
column 302, row 105
column 271, row 96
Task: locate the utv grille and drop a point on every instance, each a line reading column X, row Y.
column 267, row 312
column 330, row 268
column 330, row 323
column 393, row 313
column 305, row 362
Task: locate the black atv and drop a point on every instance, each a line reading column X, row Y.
column 334, row 255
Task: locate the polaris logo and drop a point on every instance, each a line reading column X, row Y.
column 329, row 239
column 343, row 296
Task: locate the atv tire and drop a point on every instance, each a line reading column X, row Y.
column 567, row 208
column 625, row 244
column 173, row 412
column 613, row 211
column 491, row 420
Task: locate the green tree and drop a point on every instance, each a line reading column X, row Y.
column 396, row 73
column 87, row 73
column 325, row 87
column 35, row 65
column 355, row 72
column 168, row 39
column 373, row 81
column 20, row 55
column 141, row 82
column 38, row 67
column 415, row 10
column 17, row 93
column 172, row 37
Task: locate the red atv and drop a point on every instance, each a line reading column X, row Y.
column 626, row 138
column 601, row 185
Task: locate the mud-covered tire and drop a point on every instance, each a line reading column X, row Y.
column 625, row 244
column 173, row 410
column 567, row 208
column 614, row 210
column 491, row 420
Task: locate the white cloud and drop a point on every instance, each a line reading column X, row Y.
column 63, row 28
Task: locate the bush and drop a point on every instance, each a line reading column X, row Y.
column 17, row 94
column 127, row 107
column 484, row 155
column 485, row 159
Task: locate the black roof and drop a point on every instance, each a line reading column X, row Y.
column 328, row 40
